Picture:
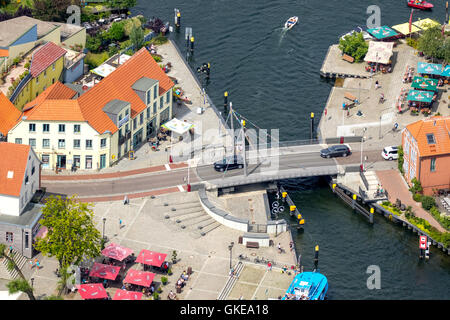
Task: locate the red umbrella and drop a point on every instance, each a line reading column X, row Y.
column 140, row 278
column 92, row 291
column 104, row 271
column 127, row 295
column 116, row 252
column 151, row 258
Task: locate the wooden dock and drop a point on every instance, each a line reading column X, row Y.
column 335, row 67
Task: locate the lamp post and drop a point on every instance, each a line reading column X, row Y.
column 230, row 247
column 103, row 235
column 362, row 144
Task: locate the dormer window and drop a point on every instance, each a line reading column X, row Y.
column 430, row 138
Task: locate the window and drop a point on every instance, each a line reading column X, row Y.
column 32, row 170
column 433, row 165
column 126, row 112
column 141, row 118
column 53, row 66
column 9, row 237
column 168, row 96
column 126, row 128
column 45, row 73
column 45, row 158
column 154, row 92
column 148, row 112
column 45, row 143
column 62, row 128
column 32, row 142
column 53, row 80
column 45, row 127
column 120, row 117
column 61, row 143
column 154, row 107
column 27, row 237
column 18, row 141
column 103, row 143
column 161, row 102
column 37, row 80
column 88, row 162
column 88, row 144
column 76, row 128
column 76, row 144
column 134, row 123
column 26, row 179
column 149, row 93
column 32, row 127
column 430, row 138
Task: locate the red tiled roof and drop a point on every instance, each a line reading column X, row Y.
column 118, row 85
column 9, row 114
column 4, row 53
column 439, row 127
column 14, row 158
column 44, row 57
column 55, row 91
column 57, row 110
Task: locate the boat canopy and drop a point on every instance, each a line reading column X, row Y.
column 422, row 83
column 429, row 68
column 404, row 28
column 425, row 24
column 420, row 96
column 383, row 32
column 379, row 52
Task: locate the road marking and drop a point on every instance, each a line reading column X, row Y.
column 180, row 187
column 167, row 167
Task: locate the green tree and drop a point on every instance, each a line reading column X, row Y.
column 18, row 284
column 416, row 187
column 446, row 50
column 116, row 32
column 428, row 202
column 400, row 159
column 431, row 42
column 354, row 45
column 71, row 235
column 121, row 4
column 137, row 37
column 52, row 10
column 93, row 43
column 129, row 24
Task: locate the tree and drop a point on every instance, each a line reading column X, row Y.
column 116, row 32
column 18, row 284
column 71, row 235
column 93, row 43
column 156, row 25
column 52, row 10
column 130, row 24
column 137, row 37
column 354, row 45
column 446, row 50
column 431, row 42
column 120, row 4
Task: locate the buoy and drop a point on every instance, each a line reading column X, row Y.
column 301, row 222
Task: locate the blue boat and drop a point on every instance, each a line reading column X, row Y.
column 307, row 286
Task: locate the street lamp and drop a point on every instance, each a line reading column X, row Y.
column 362, row 143
column 230, row 247
column 103, row 236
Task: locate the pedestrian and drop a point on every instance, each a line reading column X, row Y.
column 279, row 247
column 377, row 85
column 10, row 250
column 38, row 266
column 120, row 223
column 269, row 266
column 291, row 245
column 31, row 264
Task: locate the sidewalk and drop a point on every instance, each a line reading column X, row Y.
column 392, row 181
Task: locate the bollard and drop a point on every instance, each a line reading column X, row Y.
column 316, row 257
column 292, row 210
column 312, row 126
column 334, row 187
column 299, row 216
column 372, row 210
column 225, row 102
column 301, row 222
column 284, row 195
column 178, row 20
column 354, row 201
column 189, row 187
column 208, row 70
column 192, row 45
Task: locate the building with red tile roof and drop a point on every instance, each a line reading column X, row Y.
column 44, row 57
column 9, row 115
column 426, row 147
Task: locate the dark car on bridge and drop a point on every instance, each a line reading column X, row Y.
column 229, row 163
column 340, row 150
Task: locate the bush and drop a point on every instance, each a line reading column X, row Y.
column 400, row 159
column 354, row 45
column 26, row 65
column 155, row 295
column 417, row 197
column 169, row 272
column 93, row 60
column 412, row 42
column 93, row 43
column 428, row 202
column 417, row 186
column 159, row 290
column 157, row 58
column 164, row 280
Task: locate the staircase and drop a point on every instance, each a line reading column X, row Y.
column 371, row 185
column 11, row 275
column 231, row 282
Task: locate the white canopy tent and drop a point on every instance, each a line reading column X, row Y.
column 178, row 126
column 379, row 52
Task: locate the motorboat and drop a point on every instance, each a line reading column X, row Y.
column 420, row 4
column 359, row 29
column 307, row 286
column 292, row 21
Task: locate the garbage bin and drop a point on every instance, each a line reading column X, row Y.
column 189, row 271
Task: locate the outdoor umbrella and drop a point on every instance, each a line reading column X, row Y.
column 420, row 96
column 104, row 271
column 140, row 278
column 92, row 291
column 151, row 258
column 116, row 252
column 127, row 295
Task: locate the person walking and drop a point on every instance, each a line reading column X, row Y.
column 120, row 223
column 38, row 266
column 269, row 266
column 31, row 264
column 279, row 247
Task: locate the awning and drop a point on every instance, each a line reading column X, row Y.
column 379, row 52
column 382, row 32
column 116, row 252
column 425, row 24
column 151, row 258
column 92, row 291
column 429, row 68
column 178, row 126
column 420, row 96
column 446, row 71
column 127, row 295
column 140, row 278
column 104, row 271
column 103, row 70
column 404, row 28
column 424, row 83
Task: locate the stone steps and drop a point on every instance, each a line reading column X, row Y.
column 210, row 228
column 11, row 275
column 196, row 221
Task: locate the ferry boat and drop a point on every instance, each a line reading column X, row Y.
column 420, row 4
column 307, row 286
column 292, row 21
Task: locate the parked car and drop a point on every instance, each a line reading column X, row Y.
column 390, row 153
column 229, row 163
column 340, row 150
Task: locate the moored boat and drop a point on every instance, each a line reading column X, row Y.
column 307, row 286
column 420, row 4
column 292, row 21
